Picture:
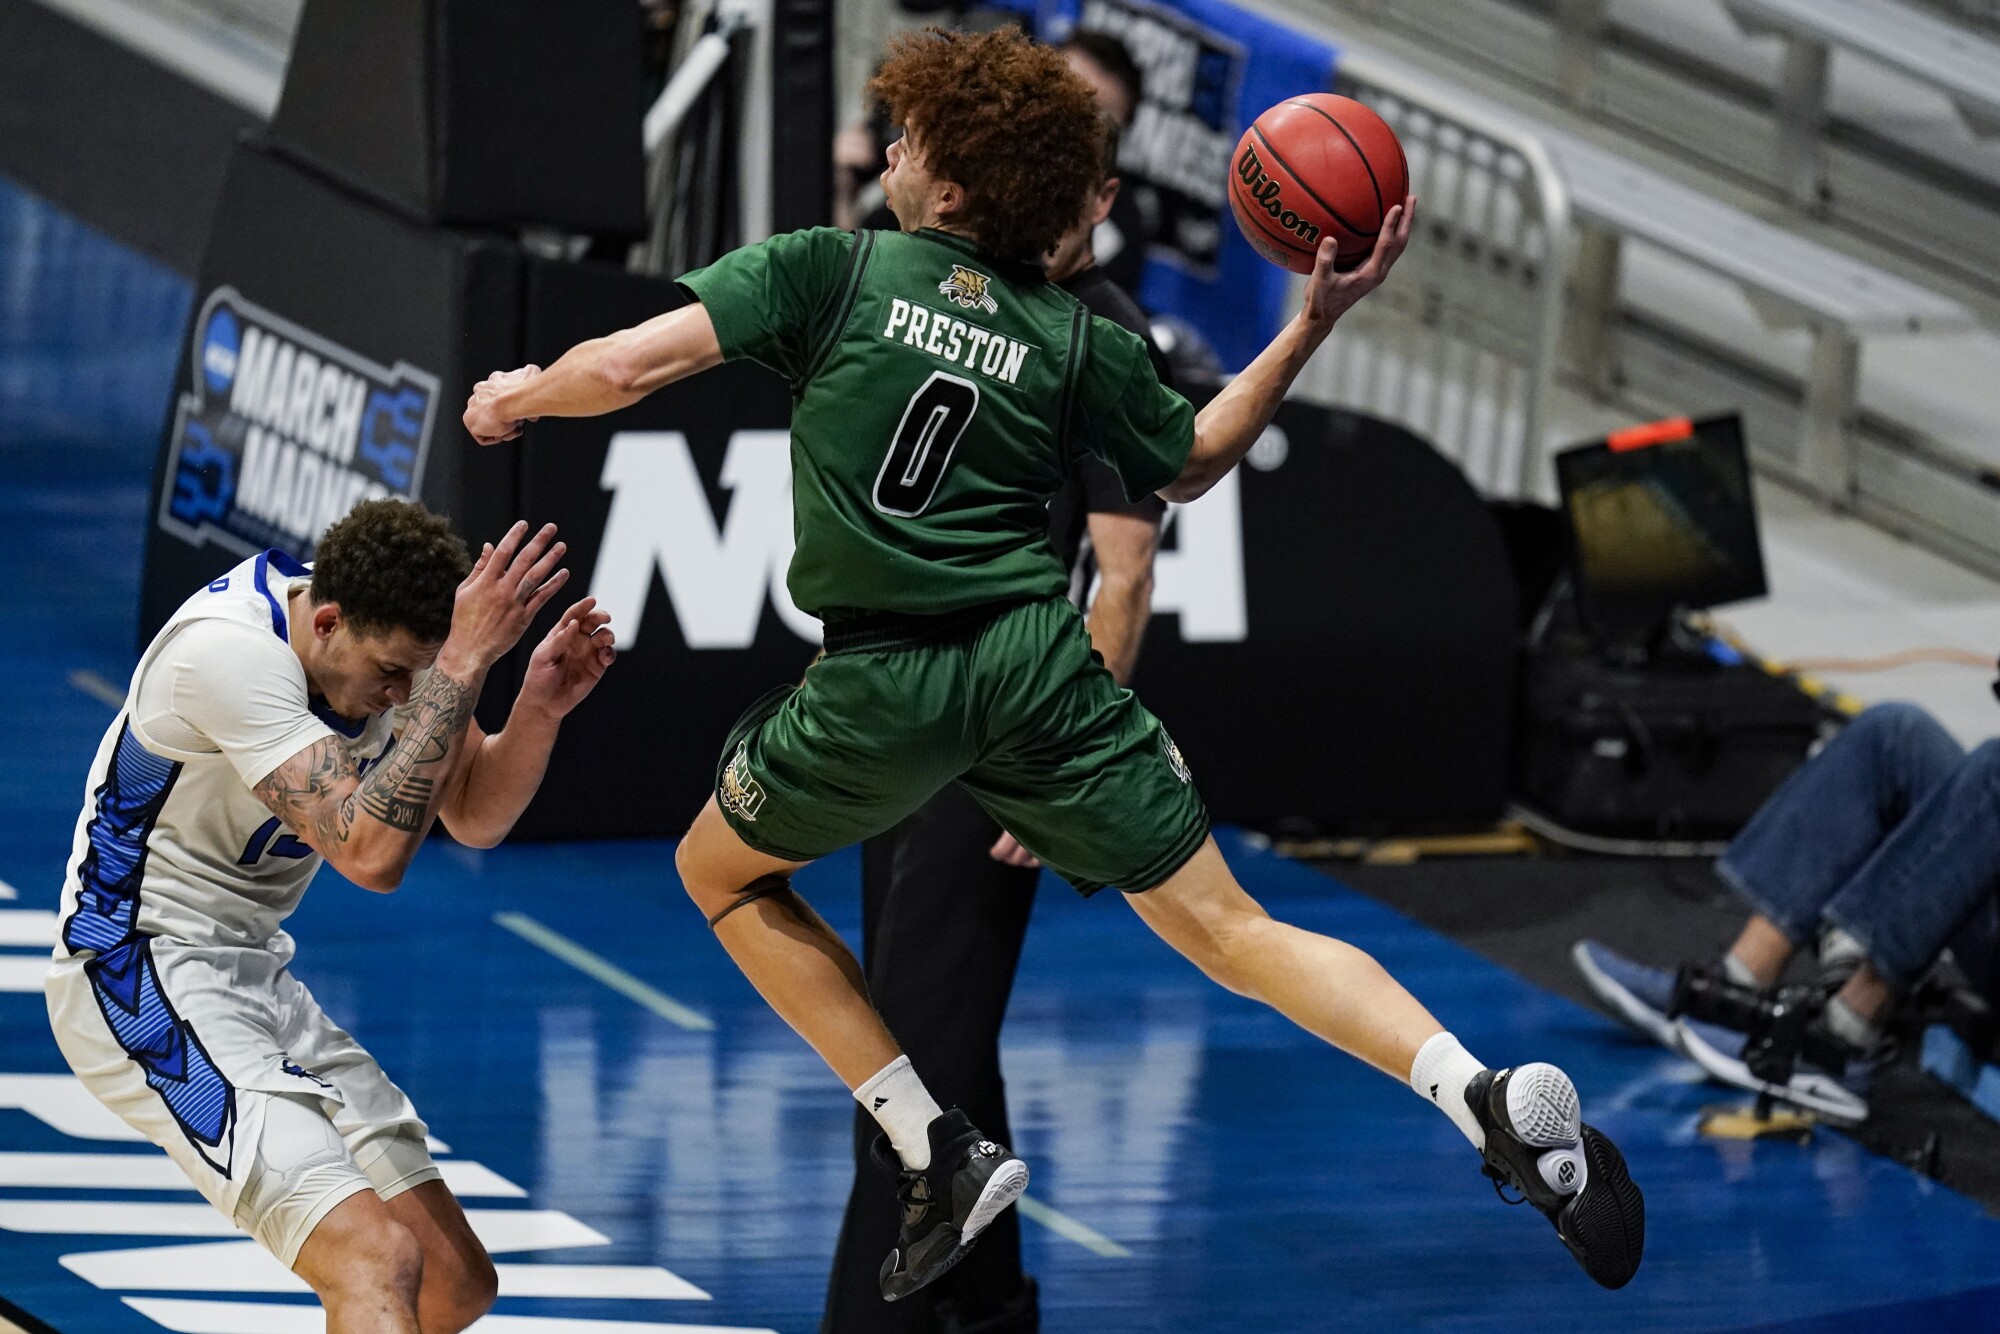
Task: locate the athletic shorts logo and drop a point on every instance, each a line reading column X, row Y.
column 968, row 287
column 741, row 795
column 1180, row 766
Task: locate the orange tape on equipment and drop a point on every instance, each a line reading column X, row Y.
column 1652, row 433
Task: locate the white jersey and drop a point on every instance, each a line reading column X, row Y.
column 170, row 993
column 172, row 842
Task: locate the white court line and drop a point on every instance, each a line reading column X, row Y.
column 23, row 972
column 99, row 689
column 191, row 1317
column 7, row 891
column 246, row 1267
column 610, row 974
column 156, row 1171
column 1064, row 1226
column 27, row 926
column 498, row 1229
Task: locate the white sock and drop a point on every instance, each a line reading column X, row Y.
column 1439, row 1075
column 1738, row 971
column 1846, row 1023
column 904, row 1109
column 1837, row 949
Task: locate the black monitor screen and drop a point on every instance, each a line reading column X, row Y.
column 1661, row 517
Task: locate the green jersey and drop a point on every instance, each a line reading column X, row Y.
column 939, row 397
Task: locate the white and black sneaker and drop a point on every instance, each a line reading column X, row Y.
column 1537, row 1143
column 1836, row 1089
column 948, row 1204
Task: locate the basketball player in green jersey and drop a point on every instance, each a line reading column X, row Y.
column 942, row 386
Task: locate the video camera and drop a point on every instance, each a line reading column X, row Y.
column 1778, row 1021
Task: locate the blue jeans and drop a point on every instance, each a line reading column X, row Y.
column 1891, row 833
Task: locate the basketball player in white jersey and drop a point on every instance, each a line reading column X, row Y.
column 284, row 716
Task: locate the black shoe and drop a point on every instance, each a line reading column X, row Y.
column 948, row 1204
column 1020, row 1315
column 1537, row 1143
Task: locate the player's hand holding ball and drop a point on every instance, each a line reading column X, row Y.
column 1332, row 291
column 509, row 583
column 483, row 419
column 1319, row 186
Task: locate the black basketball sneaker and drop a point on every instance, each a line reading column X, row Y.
column 1537, row 1143
column 948, row 1204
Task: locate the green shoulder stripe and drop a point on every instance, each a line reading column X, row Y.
column 1079, row 351
column 834, row 318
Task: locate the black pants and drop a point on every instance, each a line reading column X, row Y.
column 942, row 925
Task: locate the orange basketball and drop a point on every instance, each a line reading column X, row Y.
column 1311, row 167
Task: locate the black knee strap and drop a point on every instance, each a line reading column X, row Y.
column 757, row 889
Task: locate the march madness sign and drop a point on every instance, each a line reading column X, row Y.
column 281, row 432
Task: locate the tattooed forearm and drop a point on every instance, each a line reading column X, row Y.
column 304, row 793
column 407, row 808
column 320, row 793
column 399, row 790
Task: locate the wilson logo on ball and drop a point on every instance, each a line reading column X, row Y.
column 1269, row 195
column 1316, row 168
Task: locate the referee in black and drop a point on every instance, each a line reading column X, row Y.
column 945, row 897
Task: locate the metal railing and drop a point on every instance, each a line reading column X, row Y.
column 689, row 166
column 1462, row 347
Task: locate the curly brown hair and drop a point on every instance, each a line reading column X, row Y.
column 391, row 564
column 1006, row 119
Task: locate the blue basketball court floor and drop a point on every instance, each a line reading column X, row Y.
column 646, row 1148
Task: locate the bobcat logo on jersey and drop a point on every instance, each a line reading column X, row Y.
column 741, row 796
column 968, row 288
column 1180, row 766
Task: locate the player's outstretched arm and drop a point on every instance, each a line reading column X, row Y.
column 1231, row 423
column 596, row 377
column 502, row 772
column 370, row 827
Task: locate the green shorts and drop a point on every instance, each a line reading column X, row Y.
column 1010, row 703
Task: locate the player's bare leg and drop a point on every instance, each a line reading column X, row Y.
column 795, row 960
column 459, row 1283
column 952, row 1180
column 1325, row 986
column 366, row 1268
column 1525, row 1121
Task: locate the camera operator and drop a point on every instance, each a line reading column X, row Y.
column 1885, row 848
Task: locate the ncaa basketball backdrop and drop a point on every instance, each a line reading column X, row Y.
column 280, row 431
column 1209, row 69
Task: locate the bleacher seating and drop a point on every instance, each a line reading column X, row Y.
column 1662, row 120
column 1794, row 281
column 1895, row 160
column 1941, row 55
